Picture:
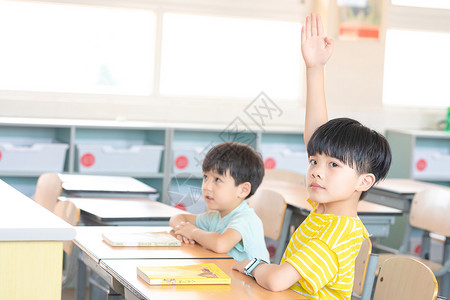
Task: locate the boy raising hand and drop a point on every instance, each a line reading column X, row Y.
column 316, row 50
column 346, row 159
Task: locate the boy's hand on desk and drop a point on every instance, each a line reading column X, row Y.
column 181, row 238
column 184, row 232
column 239, row 266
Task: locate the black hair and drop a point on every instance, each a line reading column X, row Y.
column 243, row 163
column 354, row 144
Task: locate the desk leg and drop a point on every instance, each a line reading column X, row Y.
column 284, row 236
column 80, row 291
column 369, row 281
column 406, row 239
column 445, row 280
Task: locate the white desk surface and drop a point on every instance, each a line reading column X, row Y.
column 105, row 208
column 95, row 183
column 22, row 219
column 89, row 239
column 241, row 287
column 296, row 196
column 404, row 186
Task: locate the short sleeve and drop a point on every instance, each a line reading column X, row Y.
column 251, row 229
column 241, row 225
column 316, row 263
column 205, row 221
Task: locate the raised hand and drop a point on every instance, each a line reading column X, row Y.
column 316, row 48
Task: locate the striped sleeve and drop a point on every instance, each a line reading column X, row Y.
column 316, row 263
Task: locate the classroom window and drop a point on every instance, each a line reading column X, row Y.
column 76, row 49
column 210, row 56
column 417, row 43
column 415, row 70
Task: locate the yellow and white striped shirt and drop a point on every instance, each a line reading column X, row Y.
column 323, row 250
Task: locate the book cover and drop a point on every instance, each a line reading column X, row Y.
column 140, row 239
column 190, row 274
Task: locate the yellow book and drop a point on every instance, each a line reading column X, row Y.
column 190, row 274
column 140, row 239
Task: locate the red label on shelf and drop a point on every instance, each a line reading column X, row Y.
column 0, row 155
column 87, row 160
column 181, row 162
column 421, row 164
column 180, row 206
column 270, row 163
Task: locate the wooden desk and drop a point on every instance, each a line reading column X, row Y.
column 78, row 185
column 297, row 196
column 375, row 217
column 242, row 286
column 31, row 247
column 89, row 240
column 116, row 211
column 371, row 214
column 91, row 250
column 397, row 192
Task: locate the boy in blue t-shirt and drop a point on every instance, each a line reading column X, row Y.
column 232, row 172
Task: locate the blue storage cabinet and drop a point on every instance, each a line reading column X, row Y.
column 420, row 154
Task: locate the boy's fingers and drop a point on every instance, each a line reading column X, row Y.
column 313, row 25
column 308, row 27
column 303, row 36
column 319, row 26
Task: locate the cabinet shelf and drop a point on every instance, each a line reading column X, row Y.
column 121, row 136
column 420, row 154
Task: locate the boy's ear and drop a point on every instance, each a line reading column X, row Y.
column 244, row 189
column 366, row 182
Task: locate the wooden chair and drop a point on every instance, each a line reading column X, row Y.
column 365, row 267
column 284, row 176
column 48, row 189
column 430, row 211
column 270, row 207
column 404, row 278
column 67, row 211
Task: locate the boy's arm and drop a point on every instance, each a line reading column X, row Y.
column 177, row 219
column 182, row 218
column 272, row 277
column 217, row 242
column 316, row 50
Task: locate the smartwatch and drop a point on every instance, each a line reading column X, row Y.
column 252, row 265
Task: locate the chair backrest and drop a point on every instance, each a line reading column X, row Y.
column 48, row 189
column 270, row 207
column 430, row 210
column 67, row 211
column 361, row 263
column 285, row 176
column 404, row 278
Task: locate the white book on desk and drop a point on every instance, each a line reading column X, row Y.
column 136, row 239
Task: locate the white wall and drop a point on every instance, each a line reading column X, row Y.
column 354, row 78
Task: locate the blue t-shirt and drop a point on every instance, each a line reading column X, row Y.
column 244, row 220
